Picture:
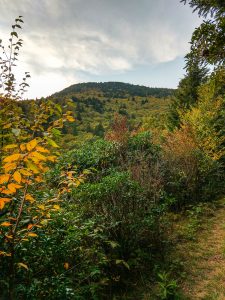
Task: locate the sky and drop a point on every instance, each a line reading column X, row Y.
column 66, row 42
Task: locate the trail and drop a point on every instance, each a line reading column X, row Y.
column 204, row 261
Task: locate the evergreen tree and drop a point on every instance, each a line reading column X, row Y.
column 187, row 92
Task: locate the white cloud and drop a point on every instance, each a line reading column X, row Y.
column 66, row 39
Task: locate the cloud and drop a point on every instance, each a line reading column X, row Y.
column 76, row 39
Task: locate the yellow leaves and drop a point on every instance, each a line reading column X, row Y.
column 70, row 118
column 56, row 207
column 17, row 177
column 10, row 146
column 11, row 158
column 29, row 198
column 9, row 167
column 6, row 224
column 31, row 145
column 38, row 156
column 4, row 178
column 22, row 147
column 66, row 265
column 32, row 234
column 41, row 149
column 31, row 166
column 23, row 266
column 12, row 187
column 25, row 172
column 3, row 253
column 3, row 201
column 41, row 206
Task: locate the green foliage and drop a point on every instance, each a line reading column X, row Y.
column 168, row 287
column 208, row 40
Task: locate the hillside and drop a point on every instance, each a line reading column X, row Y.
column 115, row 90
column 95, row 105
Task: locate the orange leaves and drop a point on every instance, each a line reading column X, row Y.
column 31, row 145
column 4, row 178
column 41, row 149
column 6, row 224
column 12, row 158
column 3, row 201
column 17, row 177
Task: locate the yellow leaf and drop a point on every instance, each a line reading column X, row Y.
column 4, row 178
column 3, row 201
column 70, row 118
column 17, row 177
column 66, row 265
column 39, row 179
column 5, row 253
column 22, row 147
column 23, row 266
column 32, row 167
column 52, row 158
column 9, row 166
column 8, row 192
column 41, row 149
column 38, row 155
column 25, row 172
column 42, row 207
column 10, row 146
column 31, row 145
column 13, row 186
column 6, row 224
column 29, row 198
column 57, row 207
column 12, row 157
column 32, row 234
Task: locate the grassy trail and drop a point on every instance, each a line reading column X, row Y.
column 204, row 260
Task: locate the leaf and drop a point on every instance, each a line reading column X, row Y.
column 17, row 177
column 121, row 261
column 4, row 178
column 70, row 118
column 66, row 265
column 16, row 131
column 52, row 143
column 23, row 266
column 6, row 224
column 9, row 166
column 13, row 157
column 32, row 234
column 38, row 155
column 3, row 201
column 32, row 167
column 13, row 186
column 22, row 147
column 29, row 198
column 25, row 172
column 31, row 145
column 41, row 149
column 57, row 207
column 10, row 146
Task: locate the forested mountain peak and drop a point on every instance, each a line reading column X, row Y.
column 115, row 90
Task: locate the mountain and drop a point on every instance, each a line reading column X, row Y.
column 116, row 90
column 95, row 105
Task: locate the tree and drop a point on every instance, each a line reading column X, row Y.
column 27, row 150
column 208, row 40
column 187, row 93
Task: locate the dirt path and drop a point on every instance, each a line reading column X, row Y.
column 204, row 261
